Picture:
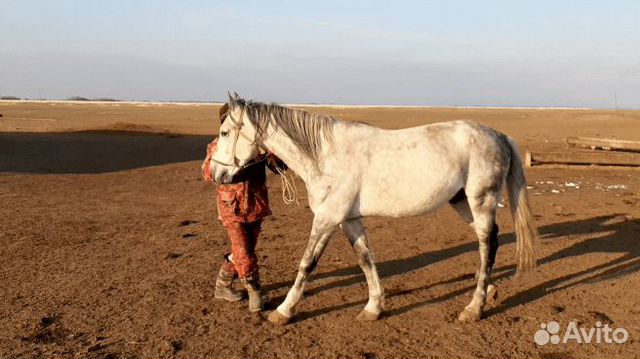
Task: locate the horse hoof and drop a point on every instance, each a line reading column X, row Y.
column 367, row 316
column 276, row 318
column 469, row 316
column 492, row 294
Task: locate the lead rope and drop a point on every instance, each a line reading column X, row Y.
column 289, row 189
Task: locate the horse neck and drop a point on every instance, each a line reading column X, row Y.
column 285, row 149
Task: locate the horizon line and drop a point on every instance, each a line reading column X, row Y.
column 313, row 104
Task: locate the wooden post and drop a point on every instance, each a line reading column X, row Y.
column 604, row 143
column 584, row 158
column 527, row 159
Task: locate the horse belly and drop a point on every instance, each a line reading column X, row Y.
column 407, row 197
column 411, row 173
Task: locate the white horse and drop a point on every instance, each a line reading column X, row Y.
column 353, row 170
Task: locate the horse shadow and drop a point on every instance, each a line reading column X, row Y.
column 95, row 151
column 620, row 235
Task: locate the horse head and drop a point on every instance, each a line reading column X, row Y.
column 237, row 142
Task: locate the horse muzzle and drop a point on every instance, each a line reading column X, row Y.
column 222, row 174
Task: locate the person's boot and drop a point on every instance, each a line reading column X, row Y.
column 224, row 288
column 255, row 295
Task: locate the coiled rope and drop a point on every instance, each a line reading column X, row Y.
column 289, row 189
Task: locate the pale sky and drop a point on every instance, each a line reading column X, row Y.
column 564, row 53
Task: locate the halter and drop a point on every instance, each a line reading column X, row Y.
column 237, row 127
column 289, row 189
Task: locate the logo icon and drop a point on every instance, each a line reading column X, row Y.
column 548, row 332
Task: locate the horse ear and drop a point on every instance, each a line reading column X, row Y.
column 232, row 100
column 238, row 101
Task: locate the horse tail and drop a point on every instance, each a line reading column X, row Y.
column 526, row 232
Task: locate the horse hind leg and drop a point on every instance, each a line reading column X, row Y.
column 492, row 291
column 357, row 237
column 460, row 203
column 483, row 209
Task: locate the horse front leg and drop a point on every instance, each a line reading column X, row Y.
column 320, row 233
column 355, row 232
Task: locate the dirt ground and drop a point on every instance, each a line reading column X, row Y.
column 110, row 246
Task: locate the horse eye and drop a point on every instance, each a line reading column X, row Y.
column 224, row 134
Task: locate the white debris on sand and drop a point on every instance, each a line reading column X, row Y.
column 616, row 186
column 571, row 184
column 555, row 186
column 611, row 187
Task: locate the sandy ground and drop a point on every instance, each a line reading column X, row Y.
column 110, row 244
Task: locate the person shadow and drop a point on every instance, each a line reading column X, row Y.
column 614, row 233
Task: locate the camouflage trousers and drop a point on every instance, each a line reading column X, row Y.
column 242, row 261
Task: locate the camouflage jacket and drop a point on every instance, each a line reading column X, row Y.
column 246, row 199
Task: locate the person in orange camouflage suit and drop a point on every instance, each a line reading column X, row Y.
column 242, row 205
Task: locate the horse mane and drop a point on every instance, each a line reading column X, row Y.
column 310, row 131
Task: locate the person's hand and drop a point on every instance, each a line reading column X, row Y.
column 206, row 169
